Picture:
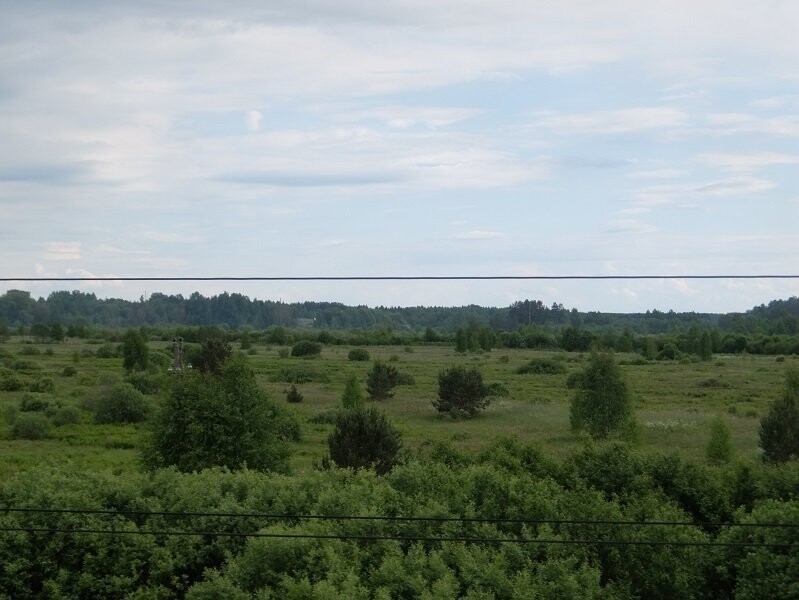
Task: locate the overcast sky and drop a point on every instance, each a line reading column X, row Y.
column 420, row 137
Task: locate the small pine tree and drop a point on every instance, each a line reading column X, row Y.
column 364, row 439
column 461, row 392
column 135, row 354
column 719, row 448
column 352, row 398
column 293, row 395
column 380, row 380
column 779, row 428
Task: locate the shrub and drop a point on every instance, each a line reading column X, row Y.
column 405, row 379
column 364, row 439
column 283, row 352
column 359, row 354
column 29, row 351
column 461, row 392
column 779, row 428
column 306, row 348
column 352, row 397
column 123, row 403
column 66, row 415
column 30, row 426
column 69, row 371
column 10, row 381
column 601, row 403
column 44, row 385
column 31, row 403
column 719, row 447
column 106, row 351
column 293, row 394
column 542, row 366
column 381, row 380
column 300, row 374
column 146, row 383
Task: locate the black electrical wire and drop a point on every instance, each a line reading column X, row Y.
column 374, row 538
column 391, row 518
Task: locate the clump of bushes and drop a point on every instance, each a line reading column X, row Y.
column 10, row 381
column 358, row 354
column 123, row 403
column 66, row 415
column 43, row 385
column 32, row 403
column 30, row 426
column 69, row 371
column 146, row 383
column 306, row 348
column 381, row 380
column 299, row 375
column 364, row 439
column 542, row 366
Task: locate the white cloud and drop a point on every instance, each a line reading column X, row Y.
column 404, row 117
column 691, row 192
column 738, row 123
column 252, row 120
column 63, row 251
column 628, row 120
column 748, row 162
column 657, row 174
column 630, row 226
column 477, row 235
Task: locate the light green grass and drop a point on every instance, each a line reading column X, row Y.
column 674, row 403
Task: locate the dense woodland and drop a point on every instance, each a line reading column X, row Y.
column 236, row 311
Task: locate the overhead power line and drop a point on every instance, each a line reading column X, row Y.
column 376, row 538
column 409, row 277
column 390, row 518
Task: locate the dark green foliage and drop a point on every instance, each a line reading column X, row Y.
column 123, row 403
column 461, row 392
column 29, row 351
column 147, row 383
column 364, row 439
column 405, row 379
column 106, row 351
column 69, row 371
column 542, row 366
column 306, row 348
column 220, row 419
column 135, row 352
column 719, row 447
column 66, row 415
column 30, row 426
column 299, row 374
column 212, row 355
column 601, row 404
column 10, row 381
column 32, row 403
column 42, row 384
column 779, row 428
column 293, row 395
column 358, row 354
column 381, row 380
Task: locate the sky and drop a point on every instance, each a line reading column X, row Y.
column 437, row 137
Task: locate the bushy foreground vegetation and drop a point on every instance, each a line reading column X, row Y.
column 509, row 480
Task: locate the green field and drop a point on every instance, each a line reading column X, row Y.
column 674, row 401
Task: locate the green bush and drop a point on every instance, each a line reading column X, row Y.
column 306, row 348
column 146, row 383
column 352, row 397
column 542, row 366
column 29, row 351
column 30, row 426
column 779, row 428
column 123, row 403
column 10, row 381
column 293, row 395
column 381, row 380
column 44, row 385
column 32, row 403
column 299, row 374
column 69, row 371
column 358, row 354
column 66, row 415
column 719, row 447
column 461, row 392
column 107, row 351
column 364, row 439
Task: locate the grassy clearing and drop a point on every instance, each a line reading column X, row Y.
column 675, row 403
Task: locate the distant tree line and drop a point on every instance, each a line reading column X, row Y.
column 771, row 329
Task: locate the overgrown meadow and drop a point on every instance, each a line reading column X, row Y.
column 518, row 459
